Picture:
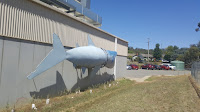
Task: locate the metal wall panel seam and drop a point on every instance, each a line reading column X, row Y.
column 33, row 68
column 2, row 61
column 44, row 29
column 60, row 32
column 17, row 23
column 62, row 29
column 7, row 20
column 25, row 25
column 39, row 30
column 4, row 20
column 1, row 18
column 48, row 28
column 12, row 21
column 23, row 31
column 31, row 26
column 37, row 26
column 55, row 28
column 51, row 30
column 64, row 33
column 21, row 24
column 34, row 26
column 28, row 34
column 19, row 54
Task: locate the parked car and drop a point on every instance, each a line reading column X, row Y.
column 165, row 67
column 128, row 67
column 157, row 67
column 170, row 66
column 148, row 66
column 133, row 66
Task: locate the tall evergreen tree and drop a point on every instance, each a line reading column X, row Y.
column 157, row 53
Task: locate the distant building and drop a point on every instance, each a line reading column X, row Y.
column 144, row 57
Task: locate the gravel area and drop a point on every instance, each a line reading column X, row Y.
column 143, row 73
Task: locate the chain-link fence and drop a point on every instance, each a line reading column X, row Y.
column 195, row 71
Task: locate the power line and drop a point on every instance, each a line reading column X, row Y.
column 148, row 48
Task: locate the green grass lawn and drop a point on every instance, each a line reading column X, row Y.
column 157, row 94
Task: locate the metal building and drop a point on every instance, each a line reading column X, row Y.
column 26, row 28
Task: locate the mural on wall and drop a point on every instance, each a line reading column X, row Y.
column 90, row 57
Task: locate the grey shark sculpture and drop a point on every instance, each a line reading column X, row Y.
column 90, row 57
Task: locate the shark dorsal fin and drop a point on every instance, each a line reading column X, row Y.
column 77, row 45
column 90, row 43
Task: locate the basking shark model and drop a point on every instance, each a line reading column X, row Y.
column 90, row 57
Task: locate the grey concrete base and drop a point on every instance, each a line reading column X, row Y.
column 18, row 58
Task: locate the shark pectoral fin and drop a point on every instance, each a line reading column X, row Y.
column 90, row 43
column 92, row 71
column 55, row 56
column 83, row 70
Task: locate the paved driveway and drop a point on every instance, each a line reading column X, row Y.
column 143, row 72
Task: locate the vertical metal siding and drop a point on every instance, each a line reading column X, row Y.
column 122, row 48
column 1, row 17
column 4, row 19
column 27, row 20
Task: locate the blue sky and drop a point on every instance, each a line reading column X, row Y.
column 167, row 22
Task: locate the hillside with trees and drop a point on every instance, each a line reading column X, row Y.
column 131, row 50
column 171, row 53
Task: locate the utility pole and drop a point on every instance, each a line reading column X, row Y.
column 148, row 49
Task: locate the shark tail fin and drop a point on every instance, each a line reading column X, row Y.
column 55, row 56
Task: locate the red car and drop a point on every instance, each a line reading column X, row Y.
column 148, row 66
column 165, row 67
column 133, row 66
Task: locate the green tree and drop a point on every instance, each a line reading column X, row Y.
column 157, row 53
column 180, row 57
column 167, row 57
column 170, row 50
column 197, row 29
column 198, row 45
column 191, row 55
column 175, row 48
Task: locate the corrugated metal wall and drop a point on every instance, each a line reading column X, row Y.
column 122, row 48
column 18, row 58
column 27, row 20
